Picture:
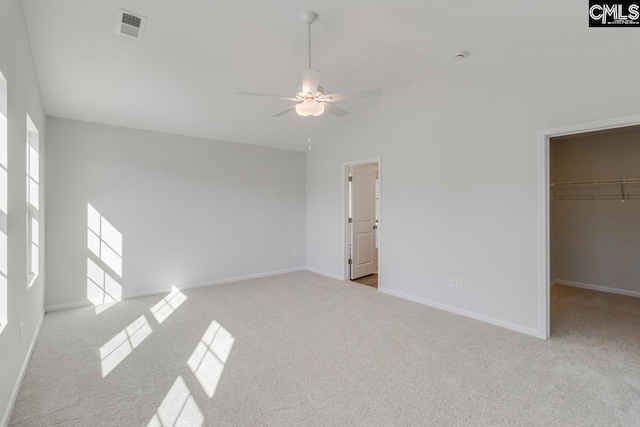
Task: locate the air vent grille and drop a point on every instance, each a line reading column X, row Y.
column 130, row 24
column 132, row 20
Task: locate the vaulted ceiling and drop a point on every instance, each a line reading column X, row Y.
column 182, row 76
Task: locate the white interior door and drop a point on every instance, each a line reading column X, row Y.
column 363, row 226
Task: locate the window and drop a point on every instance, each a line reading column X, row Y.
column 4, row 204
column 33, row 202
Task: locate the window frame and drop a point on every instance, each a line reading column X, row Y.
column 4, row 207
column 33, row 210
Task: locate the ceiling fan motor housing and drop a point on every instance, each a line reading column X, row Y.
column 303, row 95
column 310, row 17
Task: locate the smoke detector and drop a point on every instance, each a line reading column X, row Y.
column 130, row 24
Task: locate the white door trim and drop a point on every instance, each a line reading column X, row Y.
column 544, row 135
column 345, row 211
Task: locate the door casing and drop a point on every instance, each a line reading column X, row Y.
column 544, row 238
column 345, row 215
column 363, row 220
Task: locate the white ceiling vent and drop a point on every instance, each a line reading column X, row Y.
column 130, row 24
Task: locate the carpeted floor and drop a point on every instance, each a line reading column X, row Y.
column 301, row 349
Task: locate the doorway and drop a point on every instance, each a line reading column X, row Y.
column 594, row 232
column 589, row 193
column 362, row 222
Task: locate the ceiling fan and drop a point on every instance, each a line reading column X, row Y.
column 310, row 97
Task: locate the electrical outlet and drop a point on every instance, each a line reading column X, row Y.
column 459, row 284
column 452, row 282
column 294, row 253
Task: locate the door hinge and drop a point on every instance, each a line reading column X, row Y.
column 350, row 261
column 350, row 219
column 350, row 178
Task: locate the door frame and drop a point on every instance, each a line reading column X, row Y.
column 345, row 212
column 544, row 192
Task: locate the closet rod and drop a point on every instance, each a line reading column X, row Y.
column 617, row 181
column 596, row 198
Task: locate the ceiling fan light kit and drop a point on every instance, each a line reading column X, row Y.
column 310, row 108
column 312, row 101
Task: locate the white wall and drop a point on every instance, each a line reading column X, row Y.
column 189, row 210
column 596, row 241
column 25, row 305
column 459, row 193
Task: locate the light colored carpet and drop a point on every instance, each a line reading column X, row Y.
column 301, row 349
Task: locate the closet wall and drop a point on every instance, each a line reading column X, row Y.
column 596, row 241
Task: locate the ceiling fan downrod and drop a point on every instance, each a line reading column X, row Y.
column 309, row 18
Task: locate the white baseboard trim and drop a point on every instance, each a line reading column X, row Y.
column 497, row 322
column 132, row 295
column 553, row 283
column 324, row 273
column 57, row 307
column 597, row 288
column 23, row 371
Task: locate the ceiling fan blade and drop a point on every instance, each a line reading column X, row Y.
column 343, row 96
column 267, row 95
column 333, row 110
column 285, row 111
column 310, row 80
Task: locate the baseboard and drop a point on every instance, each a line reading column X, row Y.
column 132, row 295
column 553, row 283
column 214, row 282
column 497, row 322
column 58, row 307
column 324, row 273
column 597, row 288
column 23, row 371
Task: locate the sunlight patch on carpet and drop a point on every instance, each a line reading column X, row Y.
column 178, row 408
column 120, row 346
column 210, row 356
column 162, row 310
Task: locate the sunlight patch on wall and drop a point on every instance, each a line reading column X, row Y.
column 178, row 408
column 102, row 290
column 104, row 240
column 120, row 346
column 210, row 356
column 162, row 310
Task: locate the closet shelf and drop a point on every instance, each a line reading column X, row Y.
column 622, row 189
